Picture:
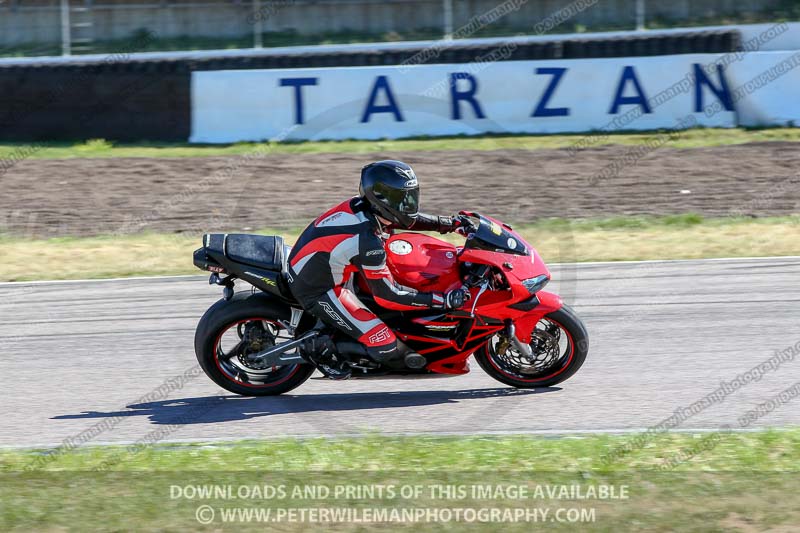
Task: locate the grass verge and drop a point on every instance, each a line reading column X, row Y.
column 727, row 481
column 613, row 239
column 693, row 138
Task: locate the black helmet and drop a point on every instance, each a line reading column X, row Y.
column 391, row 189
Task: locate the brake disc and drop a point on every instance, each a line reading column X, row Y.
column 545, row 348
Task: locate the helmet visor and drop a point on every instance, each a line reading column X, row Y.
column 405, row 201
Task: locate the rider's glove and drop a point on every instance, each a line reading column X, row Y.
column 448, row 224
column 455, row 299
column 464, row 225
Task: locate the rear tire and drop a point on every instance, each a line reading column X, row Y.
column 569, row 363
column 243, row 308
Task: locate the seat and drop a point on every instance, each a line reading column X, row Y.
column 267, row 252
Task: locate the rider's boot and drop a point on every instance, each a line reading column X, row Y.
column 322, row 352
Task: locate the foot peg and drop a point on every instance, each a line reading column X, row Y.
column 415, row 361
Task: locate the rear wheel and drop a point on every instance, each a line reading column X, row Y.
column 559, row 343
column 230, row 332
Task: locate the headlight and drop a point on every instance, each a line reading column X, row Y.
column 536, row 284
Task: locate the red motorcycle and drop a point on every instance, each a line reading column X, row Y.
column 255, row 342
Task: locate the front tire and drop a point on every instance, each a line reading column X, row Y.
column 562, row 329
column 253, row 319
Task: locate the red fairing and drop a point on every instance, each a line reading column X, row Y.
column 524, row 324
column 385, row 274
column 426, row 263
column 422, row 262
column 496, row 304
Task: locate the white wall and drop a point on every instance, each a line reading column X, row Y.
column 766, row 89
column 785, row 40
column 251, row 105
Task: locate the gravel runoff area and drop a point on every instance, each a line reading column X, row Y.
column 85, row 196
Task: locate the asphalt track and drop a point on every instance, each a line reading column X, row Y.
column 76, row 357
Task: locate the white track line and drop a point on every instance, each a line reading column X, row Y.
column 552, row 265
column 670, row 261
column 99, row 280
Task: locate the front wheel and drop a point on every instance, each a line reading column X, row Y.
column 230, row 331
column 559, row 343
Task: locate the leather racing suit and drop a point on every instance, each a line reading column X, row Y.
column 340, row 243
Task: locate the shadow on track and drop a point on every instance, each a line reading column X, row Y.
column 214, row 409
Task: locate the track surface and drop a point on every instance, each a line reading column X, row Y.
column 663, row 335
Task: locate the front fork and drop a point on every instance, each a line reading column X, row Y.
column 523, row 347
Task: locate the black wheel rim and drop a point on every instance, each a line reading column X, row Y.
column 553, row 350
column 240, row 339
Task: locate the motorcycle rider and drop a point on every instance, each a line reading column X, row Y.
column 348, row 239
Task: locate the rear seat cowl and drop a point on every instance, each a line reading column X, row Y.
column 263, row 251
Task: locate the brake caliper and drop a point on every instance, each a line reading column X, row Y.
column 502, row 346
column 255, row 338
